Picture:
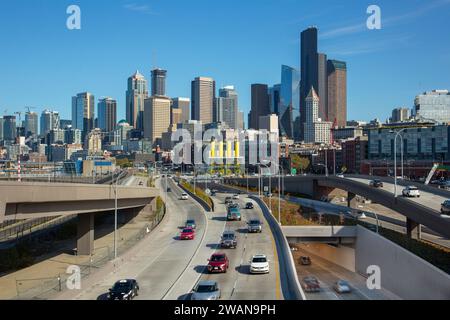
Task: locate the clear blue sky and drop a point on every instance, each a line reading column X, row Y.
column 238, row 42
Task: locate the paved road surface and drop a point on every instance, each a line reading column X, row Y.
column 238, row 283
column 328, row 273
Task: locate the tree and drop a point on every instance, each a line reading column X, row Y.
column 299, row 163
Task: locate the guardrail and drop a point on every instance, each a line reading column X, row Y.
column 198, row 199
column 291, row 287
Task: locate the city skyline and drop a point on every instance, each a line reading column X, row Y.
column 363, row 86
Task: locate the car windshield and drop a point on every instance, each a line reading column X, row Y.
column 187, row 230
column 413, row 188
column 259, row 259
column 254, row 222
column 190, row 222
column 228, row 236
column 122, row 286
column 217, row 258
column 206, row 288
column 342, row 283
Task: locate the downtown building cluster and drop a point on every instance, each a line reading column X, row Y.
column 306, row 113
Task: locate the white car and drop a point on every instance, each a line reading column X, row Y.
column 259, row 264
column 340, row 175
column 184, row 196
column 411, row 192
column 236, row 197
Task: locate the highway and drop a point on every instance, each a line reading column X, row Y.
column 238, row 283
column 168, row 268
column 427, row 199
column 327, row 273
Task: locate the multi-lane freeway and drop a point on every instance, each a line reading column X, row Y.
column 168, row 268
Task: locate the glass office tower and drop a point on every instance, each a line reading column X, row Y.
column 289, row 105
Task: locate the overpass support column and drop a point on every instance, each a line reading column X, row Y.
column 413, row 227
column 351, row 199
column 85, row 234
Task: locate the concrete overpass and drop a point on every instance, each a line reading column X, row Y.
column 323, row 234
column 25, row 200
column 416, row 212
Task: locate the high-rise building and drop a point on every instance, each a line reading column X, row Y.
column 433, row 105
column 1, row 128
column 49, row 121
column 9, row 128
column 64, row 124
column 176, row 116
column 31, row 124
column 337, row 93
column 156, row 117
column 203, row 99
column 83, row 107
column 322, row 86
column 158, row 82
column 227, row 107
column 107, row 114
column 241, row 121
column 136, row 94
column 274, row 98
column 269, row 123
column 309, row 61
column 289, row 107
column 260, row 104
column 316, row 130
column 185, row 105
column 94, row 142
column 399, row 115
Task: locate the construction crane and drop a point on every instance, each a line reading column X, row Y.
column 29, row 109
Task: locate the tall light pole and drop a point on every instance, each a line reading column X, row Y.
column 115, row 214
column 397, row 134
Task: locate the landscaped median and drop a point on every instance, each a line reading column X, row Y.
column 198, row 192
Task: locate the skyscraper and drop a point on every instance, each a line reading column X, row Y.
column 289, row 106
column 322, row 86
column 309, row 68
column 158, row 82
column 337, row 92
column 400, row 115
column 135, row 96
column 274, row 98
column 203, row 99
column 107, row 114
column 433, row 105
column 316, row 130
column 260, row 104
column 156, row 117
column 31, row 124
column 9, row 128
column 49, row 121
column 185, row 105
column 1, row 128
column 227, row 107
column 83, row 106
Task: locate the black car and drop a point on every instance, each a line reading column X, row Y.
column 124, row 290
column 376, row 183
column 249, row 205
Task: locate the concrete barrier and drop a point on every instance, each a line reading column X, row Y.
column 342, row 256
column 291, row 287
column 402, row 272
column 198, row 199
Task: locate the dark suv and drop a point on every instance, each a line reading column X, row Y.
column 124, row 290
column 376, row 183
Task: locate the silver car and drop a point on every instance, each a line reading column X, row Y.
column 342, row 286
column 206, row 290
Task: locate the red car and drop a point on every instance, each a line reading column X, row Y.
column 218, row 263
column 187, row 234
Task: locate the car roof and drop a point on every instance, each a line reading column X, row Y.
column 207, row 283
column 125, row 280
column 229, row 232
column 259, row 256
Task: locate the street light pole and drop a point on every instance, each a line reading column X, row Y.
column 397, row 134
